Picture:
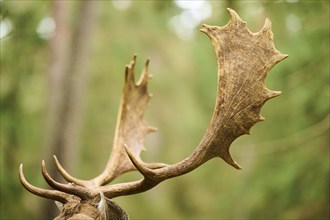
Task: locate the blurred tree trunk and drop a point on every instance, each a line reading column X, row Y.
column 67, row 84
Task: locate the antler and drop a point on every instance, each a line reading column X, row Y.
column 244, row 60
column 130, row 130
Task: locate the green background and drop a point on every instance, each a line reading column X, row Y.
column 285, row 161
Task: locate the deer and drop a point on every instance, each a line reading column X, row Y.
column 244, row 60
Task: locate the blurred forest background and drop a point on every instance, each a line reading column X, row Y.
column 62, row 72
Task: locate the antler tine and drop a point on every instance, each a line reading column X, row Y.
column 68, row 177
column 145, row 75
column 129, row 70
column 144, row 170
column 70, row 188
column 45, row 193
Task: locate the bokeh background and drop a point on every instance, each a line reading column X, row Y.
column 62, row 66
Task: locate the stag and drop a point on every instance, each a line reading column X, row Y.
column 244, row 59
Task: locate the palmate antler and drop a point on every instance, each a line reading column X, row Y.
column 244, row 60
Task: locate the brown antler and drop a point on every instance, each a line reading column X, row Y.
column 130, row 130
column 244, row 60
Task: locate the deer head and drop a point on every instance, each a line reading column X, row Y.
column 244, row 60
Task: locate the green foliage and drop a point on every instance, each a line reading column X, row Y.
column 285, row 160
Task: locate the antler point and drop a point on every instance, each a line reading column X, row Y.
column 281, row 57
column 152, row 129
column 236, row 165
column 267, row 26
column 261, row 118
column 235, row 18
column 272, row 94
